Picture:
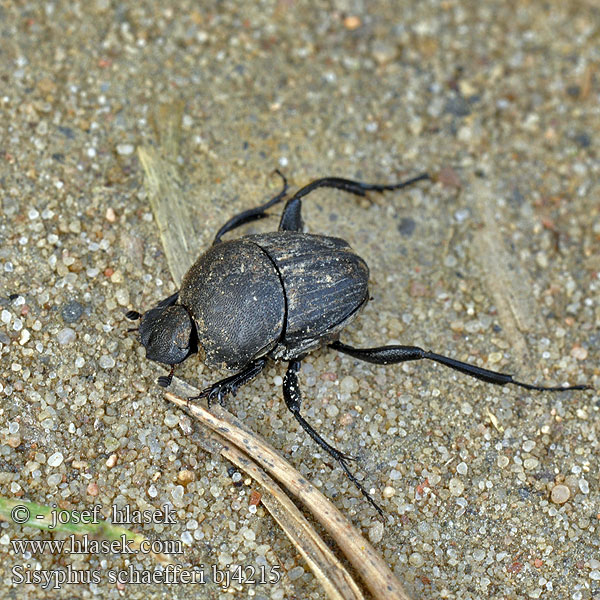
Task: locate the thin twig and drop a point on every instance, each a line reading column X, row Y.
column 374, row 572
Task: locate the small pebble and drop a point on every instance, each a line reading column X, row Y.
column 456, row 486
column 186, row 538
column 106, row 361
column 478, row 554
column 332, row 410
column 254, row 499
column 376, row 532
column 177, row 493
column 542, row 259
column 352, row 22
column 71, row 311
column 125, row 149
column 171, row 419
column 407, row 226
column 56, row 459
column 503, row 461
column 388, row 491
column 111, row 443
column 457, row 106
column 449, row 178
column 494, row 357
column 295, row 573
column 416, row 559
column 348, row 384
column 462, row 215
column 395, row 475
column 384, row 52
column 185, row 476
column 65, row 336
column 122, row 296
column 14, row 441
column 92, row 489
column 560, row 494
column 579, row 352
column 54, row 479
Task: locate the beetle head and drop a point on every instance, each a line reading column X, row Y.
column 168, row 334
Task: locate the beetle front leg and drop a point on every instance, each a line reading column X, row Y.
column 291, row 219
column 293, row 400
column 387, row 355
column 230, row 385
column 252, row 214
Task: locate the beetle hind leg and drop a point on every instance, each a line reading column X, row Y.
column 387, row 355
column 293, row 400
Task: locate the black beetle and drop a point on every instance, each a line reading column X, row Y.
column 278, row 295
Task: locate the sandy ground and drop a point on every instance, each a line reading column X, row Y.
column 489, row 492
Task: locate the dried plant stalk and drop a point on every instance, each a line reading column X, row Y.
column 376, row 575
column 164, row 188
column 336, row 581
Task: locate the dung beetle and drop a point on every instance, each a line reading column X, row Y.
column 279, row 295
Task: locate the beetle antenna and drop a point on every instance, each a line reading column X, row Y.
column 133, row 315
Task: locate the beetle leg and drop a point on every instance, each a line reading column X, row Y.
column 166, row 302
column 293, row 400
column 252, row 214
column 230, row 385
column 387, row 355
column 291, row 219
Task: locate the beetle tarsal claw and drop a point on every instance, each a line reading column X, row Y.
column 345, row 456
column 217, row 391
